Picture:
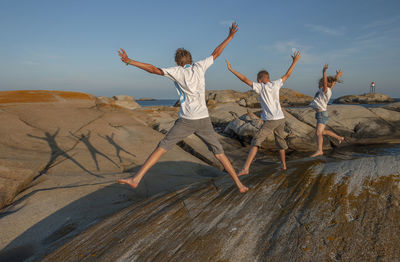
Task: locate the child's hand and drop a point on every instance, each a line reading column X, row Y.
column 123, row 55
column 325, row 68
column 339, row 73
column 296, row 56
column 228, row 65
column 233, row 29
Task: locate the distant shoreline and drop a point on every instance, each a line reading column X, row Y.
column 157, row 102
column 146, row 99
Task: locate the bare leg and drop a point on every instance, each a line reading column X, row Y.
column 283, row 159
column 320, row 140
column 252, row 154
column 332, row 134
column 228, row 167
column 153, row 158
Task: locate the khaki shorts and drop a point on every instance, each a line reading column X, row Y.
column 185, row 127
column 269, row 126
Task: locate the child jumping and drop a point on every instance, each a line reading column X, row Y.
column 193, row 114
column 274, row 119
column 319, row 104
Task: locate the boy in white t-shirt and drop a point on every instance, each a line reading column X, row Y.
column 271, row 114
column 320, row 105
column 193, row 114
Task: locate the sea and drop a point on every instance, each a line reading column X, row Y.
column 157, row 102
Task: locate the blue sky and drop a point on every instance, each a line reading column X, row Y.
column 72, row 45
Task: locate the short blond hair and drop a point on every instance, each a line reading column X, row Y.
column 262, row 73
column 183, row 57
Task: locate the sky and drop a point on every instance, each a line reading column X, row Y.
column 72, row 45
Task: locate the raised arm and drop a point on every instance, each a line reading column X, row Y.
column 339, row 74
column 146, row 67
column 325, row 86
column 239, row 75
column 296, row 56
column 232, row 31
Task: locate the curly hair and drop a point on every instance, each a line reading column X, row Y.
column 330, row 79
column 183, row 57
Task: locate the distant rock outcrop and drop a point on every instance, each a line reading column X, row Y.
column 371, row 98
column 127, row 102
column 146, row 99
column 250, row 99
column 42, row 96
column 290, row 97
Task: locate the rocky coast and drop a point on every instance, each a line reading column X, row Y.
column 61, row 153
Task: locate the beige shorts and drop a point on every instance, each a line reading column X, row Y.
column 277, row 127
column 185, row 127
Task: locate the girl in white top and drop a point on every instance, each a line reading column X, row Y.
column 320, row 104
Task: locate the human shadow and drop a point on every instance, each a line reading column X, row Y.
column 118, row 148
column 93, row 151
column 56, row 152
column 61, row 226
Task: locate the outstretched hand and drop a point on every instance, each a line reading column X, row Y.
column 296, row 56
column 325, row 67
column 233, row 29
column 339, row 73
column 123, row 55
column 228, row 65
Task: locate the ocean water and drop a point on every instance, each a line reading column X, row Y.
column 158, row 102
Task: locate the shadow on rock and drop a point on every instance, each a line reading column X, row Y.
column 61, row 226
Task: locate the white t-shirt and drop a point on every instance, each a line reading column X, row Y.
column 321, row 99
column 269, row 94
column 190, row 85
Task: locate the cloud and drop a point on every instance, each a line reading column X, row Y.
column 287, row 46
column 30, row 63
column 307, row 54
column 377, row 38
column 290, row 46
column 326, row 30
column 226, row 22
column 382, row 22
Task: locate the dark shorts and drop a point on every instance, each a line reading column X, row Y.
column 322, row 117
column 185, row 127
column 277, row 127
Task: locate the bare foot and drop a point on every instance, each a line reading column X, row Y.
column 340, row 139
column 318, row 153
column 129, row 181
column 243, row 172
column 243, row 189
column 282, row 167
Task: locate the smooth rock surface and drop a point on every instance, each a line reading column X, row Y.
column 63, row 152
column 59, row 162
column 317, row 211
